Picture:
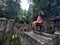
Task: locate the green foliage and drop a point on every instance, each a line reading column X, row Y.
column 11, row 9
column 37, row 7
column 49, row 7
column 23, row 15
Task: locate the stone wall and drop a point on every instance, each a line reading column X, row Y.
column 58, row 34
column 36, row 39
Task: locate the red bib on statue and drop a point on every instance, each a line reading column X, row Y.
column 39, row 20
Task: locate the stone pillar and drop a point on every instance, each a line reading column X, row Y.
column 3, row 22
column 10, row 24
column 9, row 30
